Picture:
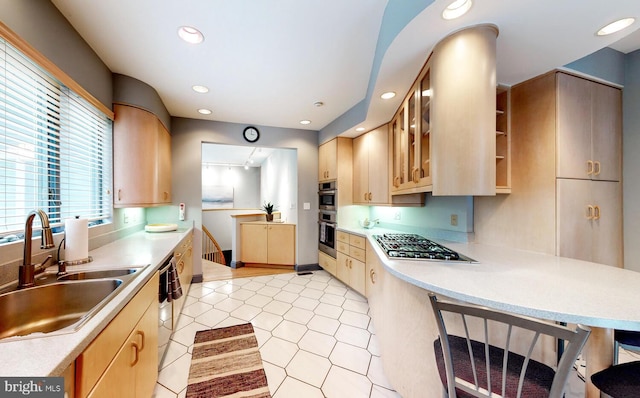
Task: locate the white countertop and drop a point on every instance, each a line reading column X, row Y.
column 50, row 355
column 527, row 283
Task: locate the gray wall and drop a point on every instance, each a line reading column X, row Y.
column 187, row 136
column 631, row 161
column 130, row 91
column 43, row 27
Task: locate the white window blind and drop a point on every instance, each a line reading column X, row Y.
column 55, row 148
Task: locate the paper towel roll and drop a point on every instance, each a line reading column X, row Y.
column 76, row 239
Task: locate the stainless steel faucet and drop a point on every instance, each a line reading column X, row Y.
column 26, row 271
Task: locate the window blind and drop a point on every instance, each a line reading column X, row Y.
column 55, row 148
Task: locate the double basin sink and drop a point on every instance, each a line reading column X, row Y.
column 59, row 304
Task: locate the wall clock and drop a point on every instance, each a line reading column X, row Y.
column 251, row 134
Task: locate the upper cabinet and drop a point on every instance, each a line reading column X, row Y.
column 371, row 167
column 444, row 134
column 141, row 159
column 589, row 129
column 335, row 163
column 503, row 139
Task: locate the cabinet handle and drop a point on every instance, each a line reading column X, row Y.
column 365, row 196
column 590, row 212
column 596, row 212
column 372, row 276
column 350, row 264
column 136, row 356
column 415, row 174
column 370, row 196
column 589, row 167
column 119, row 194
column 180, row 266
column 396, row 181
column 596, row 168
column 141, row 334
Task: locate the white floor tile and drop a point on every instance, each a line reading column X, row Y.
column 293, row 288
column 298, row 315
column 287, row 297
column 228, row 288
column 173, row 351
column 373, row 346
column 246, row 312
column 355, row 319
column 376, row 374
column 309, row 368
column 266, row 321
column 328, row 310
column 196, row 309
column 163, row 392
column 212, row 317
column 323, row 324
column 228, row 304
column 337, row 290
column 253, row 286
column 279, row 283
column 353, row 335
column 278, row 351
column 259, row 300
column 291, row 388
column 356, row 306
column 277, row 307
column 317, row 343
column 381, row 392
column 311, row 293
column 268, row 291
column 305, row 303
column 242, row 294
column 213, row 298
column 289, row 331
column 351, row 357
column 185, row 335
column 316, row 284
column 175, row 376
column 275, row 376
column 342, row 383
column 332, row 299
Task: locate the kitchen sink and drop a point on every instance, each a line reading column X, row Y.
column 56, row 307
column 98, row 274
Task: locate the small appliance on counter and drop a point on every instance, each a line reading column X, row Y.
column 160, row 227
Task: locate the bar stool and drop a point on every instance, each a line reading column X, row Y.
column 474, row 368
column 628, row 340
column 619, row 381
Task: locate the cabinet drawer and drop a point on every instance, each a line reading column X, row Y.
column 357, row 253
column 357, row 241
column 342, row 247
column 327, row 262
column 342, row 237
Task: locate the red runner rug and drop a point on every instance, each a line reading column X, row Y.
column 226, row 363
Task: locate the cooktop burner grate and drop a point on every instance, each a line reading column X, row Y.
column 412, row 246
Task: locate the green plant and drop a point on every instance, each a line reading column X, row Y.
column 269, row 207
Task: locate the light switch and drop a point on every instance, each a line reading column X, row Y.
column 306, row 206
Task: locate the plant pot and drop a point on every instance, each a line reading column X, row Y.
column 269, row 217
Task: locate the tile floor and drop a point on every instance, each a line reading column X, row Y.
column 314, row 333
column 315, row 336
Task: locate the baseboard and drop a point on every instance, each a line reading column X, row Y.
column 307, row 267
column 197, row 278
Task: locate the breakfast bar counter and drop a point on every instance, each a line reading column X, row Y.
column 527, row 283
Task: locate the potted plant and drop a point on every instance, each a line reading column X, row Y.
column 269, row 208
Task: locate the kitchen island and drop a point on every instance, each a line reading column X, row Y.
column 527, row 283
column 51, row 354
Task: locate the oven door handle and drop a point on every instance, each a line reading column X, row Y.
column 327, row 192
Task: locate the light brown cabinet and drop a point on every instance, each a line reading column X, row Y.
column 578, row 217
column 444, row 133
column 371, row 167
column 183, row 253
column 335, row 162
column 589, row 129
column 350, row 260
column 123, row 360
column 267, row 243
column 141, row 159
column 503, row 140
column 327, row 263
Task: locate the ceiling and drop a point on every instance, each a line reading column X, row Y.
column 267, row 62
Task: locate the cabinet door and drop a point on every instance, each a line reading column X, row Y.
column 357, row 271
column 342, row 267
column 281, row 244
column 361, row 169
column 327, row 262
column 327, row 160
column 163, row 176
column 146, row 339
column 134, row 156
column 573, row 222
column 378, row 162
column 574, row 127
column 253, row 243
column 607, row 237
column 607, row 132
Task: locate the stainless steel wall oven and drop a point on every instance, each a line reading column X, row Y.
column 327, row 232
column 327, row 196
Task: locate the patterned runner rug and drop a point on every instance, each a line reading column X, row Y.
column 226, row 363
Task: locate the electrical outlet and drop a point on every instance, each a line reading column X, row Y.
column 396, row 216
column 125, row 218
column 454, row 219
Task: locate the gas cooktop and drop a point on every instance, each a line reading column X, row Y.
column 416, row 247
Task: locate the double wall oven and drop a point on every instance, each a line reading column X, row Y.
column 327, row 217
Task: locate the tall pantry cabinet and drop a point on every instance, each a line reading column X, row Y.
column 566, row 196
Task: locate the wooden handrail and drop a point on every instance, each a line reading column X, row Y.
column 210, row 249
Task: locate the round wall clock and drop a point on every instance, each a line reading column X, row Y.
column 251, row 134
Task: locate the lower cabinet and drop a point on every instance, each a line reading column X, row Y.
column 264, row 242
column 350, row 260
column 123, row 360
column 327, row 263
column 184, row 265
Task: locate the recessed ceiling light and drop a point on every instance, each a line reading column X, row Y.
column 318, row 103
column 190, row 34
column 204, row 111
column 456, row 9
column 388, row 95
column 305, row 121
column 616, row 26
column 360, row 129
column 200, row 89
